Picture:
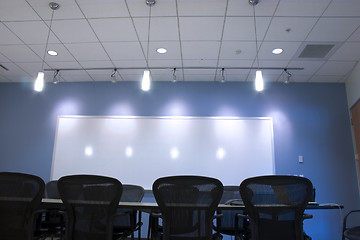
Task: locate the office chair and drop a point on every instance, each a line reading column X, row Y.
column 275, row 206
column 187, row 205
column 351, row 233
column 126, row 221
column 20, row 196
column 91, row 202
column 229, row 223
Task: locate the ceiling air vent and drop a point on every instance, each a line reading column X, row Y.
column 316, row 51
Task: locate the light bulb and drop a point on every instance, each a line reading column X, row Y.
column 259, row 81
column 145, row 83
column 39, row 82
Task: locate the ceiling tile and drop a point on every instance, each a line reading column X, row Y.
column 39, row 31
column 23, row 11
column 236, row 63
column 348, row 51
column 193, row 28
column 124, row 51
column 243, row 8
column 7, row 37
column 173, row 50
column 242, row 28
column 289, row 29
column 114, row 29
column 306, row 8
column 326, row 27
column 19, row 53
column 73, row 31
column 355, row 36
column 310, row 67
column 200, row 50
column 76, row 76
column 68, row 9
column 103, row 8
column 64, row 65
column 336, row 68
column 130, row 63
column 342, row 8
column 63, row 53
column 290, row 48
column 102, row 75
column 171, row 64
column 201, row 8
column 161, row 28
column 87, row 51
column 326, row 79
column 200, row 63
column 31, row 68
column 237, row 50
column 97, row 64
column 138, row 8
column 15, row 73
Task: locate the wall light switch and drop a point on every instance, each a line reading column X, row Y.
column 300, row 159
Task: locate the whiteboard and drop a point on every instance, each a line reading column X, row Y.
column 138, row 150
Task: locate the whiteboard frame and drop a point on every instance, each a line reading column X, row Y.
column 163, row 117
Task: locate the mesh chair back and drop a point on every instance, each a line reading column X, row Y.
column 51, row 190
column 187, row 205
column 226, row 223
column 276, row 206
column 126, row 220
column 90, row 202
column 20, row 195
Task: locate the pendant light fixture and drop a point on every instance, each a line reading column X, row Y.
column 39, row 82
column 146, row 79
column 259, row 81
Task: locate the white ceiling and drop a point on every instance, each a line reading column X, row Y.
column 201, row 36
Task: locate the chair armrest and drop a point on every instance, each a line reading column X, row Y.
column 234, row 202
column 346, row 217
column 218, row 215
column 156, row 215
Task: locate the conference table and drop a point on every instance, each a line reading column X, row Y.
column 153, row 207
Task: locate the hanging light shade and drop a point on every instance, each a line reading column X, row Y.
column 259, row 81
column 145, row 83
column 39, row 82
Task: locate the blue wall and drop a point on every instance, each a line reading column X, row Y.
column 311, row 120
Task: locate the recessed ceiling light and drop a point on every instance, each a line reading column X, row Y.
column 161, row 50
column 52, row 52
column 277, row 51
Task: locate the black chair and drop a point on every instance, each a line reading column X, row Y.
column 229, row 223
column 275, row 205
column 91, row 202
column 187, row 205
column 20, row 196
column 351, row 233
column 128, row 220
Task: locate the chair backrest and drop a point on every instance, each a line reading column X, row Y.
column 51, row 190
column 276, row 205
column 226, row 223
column 90, row 203
column 131, row 193
column 187, row 205
column 20, row 195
